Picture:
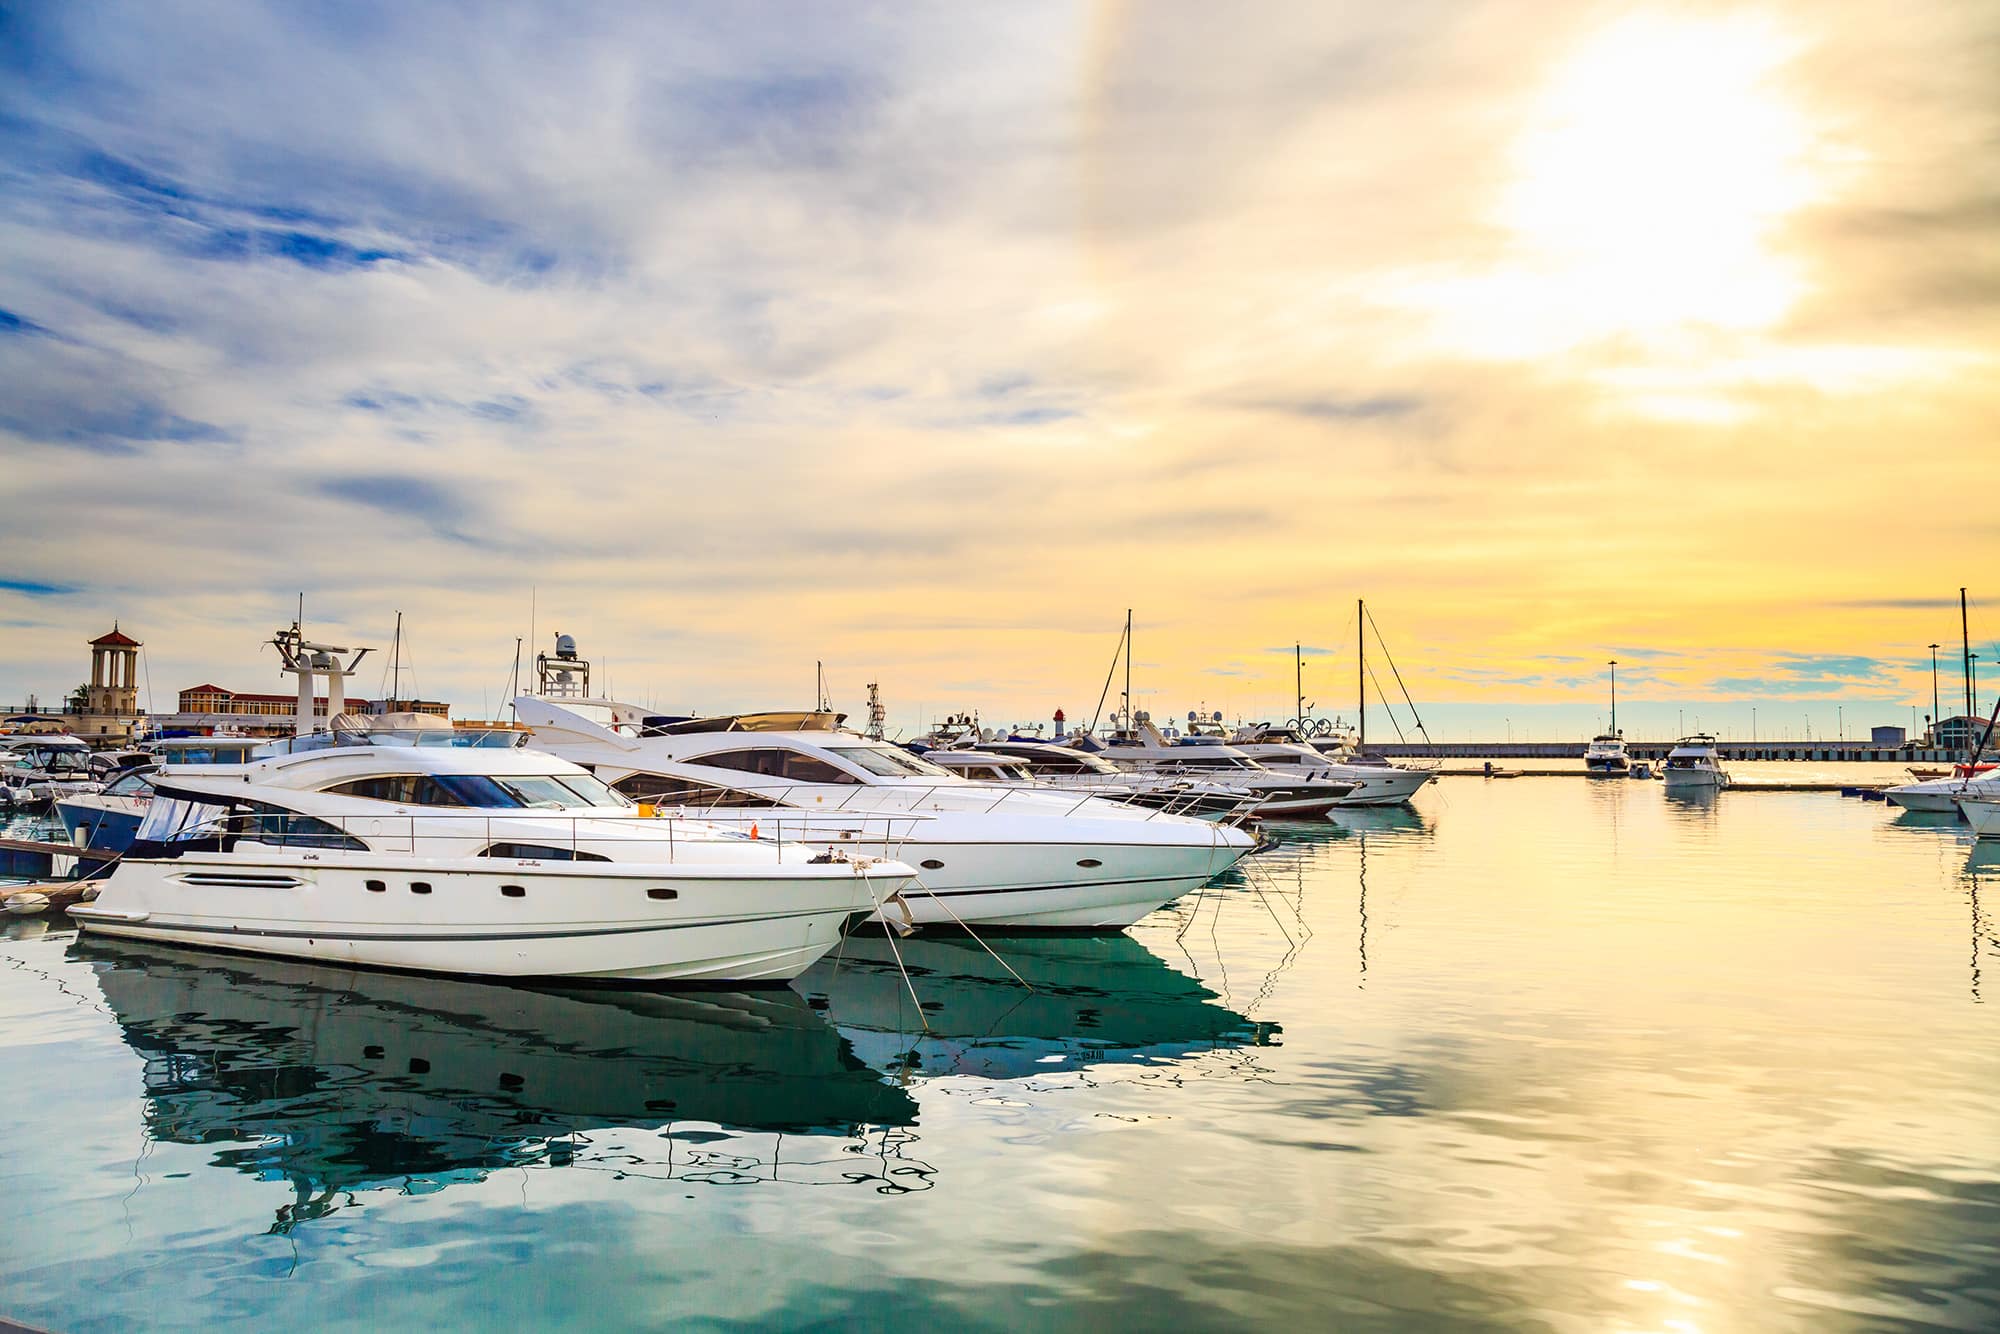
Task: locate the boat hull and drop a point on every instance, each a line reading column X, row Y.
column 714, row 927
column 1695, row 779
column 1037, row 873
column 1983, row 814
column 1939, row 795
column 98, row 824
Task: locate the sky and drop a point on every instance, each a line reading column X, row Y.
column 926, row 340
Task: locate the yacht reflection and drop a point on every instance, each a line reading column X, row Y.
column 1692, row 805
column 1097, row 1000
column 1384, row 820
column 340, row 1081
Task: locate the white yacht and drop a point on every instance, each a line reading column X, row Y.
column 1693, row 764
column 40, row 769
column 1982, row 812
column 1286, row 749
column 1942, row 795
column 1141, row 748
column 403, row 842
column 1045, row 764
column 987, row 855
column 1606, row 753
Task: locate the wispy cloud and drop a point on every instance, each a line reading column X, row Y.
column 896, row 336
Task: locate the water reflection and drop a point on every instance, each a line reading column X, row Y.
column 341, row 1081
column 1095, row 1000
column 1692, row 805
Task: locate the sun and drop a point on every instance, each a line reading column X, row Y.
column 1647, row 190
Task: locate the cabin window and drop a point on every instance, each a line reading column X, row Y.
column 664, row 790
column 933, row 864
column 376, row 887
column 663, row 894
column 513, row 892
column 288, row 829
column 889, row 762
column 543, row 852
column 1089, row 862
column 420, row 887
column 403, row 789
column 775, row 763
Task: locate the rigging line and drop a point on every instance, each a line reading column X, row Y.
column 1386, row 706
column 1399, row 677
column 1110, row 672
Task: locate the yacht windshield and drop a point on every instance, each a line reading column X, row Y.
column 570, row 792
column 888, row 763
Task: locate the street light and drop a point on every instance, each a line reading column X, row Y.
column 1934, row 691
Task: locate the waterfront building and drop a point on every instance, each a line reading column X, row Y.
column 209, row 708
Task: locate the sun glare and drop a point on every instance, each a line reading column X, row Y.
column 1649, row 183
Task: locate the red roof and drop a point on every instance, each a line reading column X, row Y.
column 205, row 690
column 116, row 639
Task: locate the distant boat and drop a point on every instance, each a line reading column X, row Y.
column 1693, row 764
column 1606, row 753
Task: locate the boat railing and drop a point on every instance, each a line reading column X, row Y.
column 538, row 837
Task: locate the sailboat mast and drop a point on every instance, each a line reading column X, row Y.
column 1614, row 697
column 1299, row 682
column 1130, row 726
column 1361, row 671
column 396, row 663
column 1965, row 636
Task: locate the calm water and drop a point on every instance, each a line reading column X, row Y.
column 1543, row 1053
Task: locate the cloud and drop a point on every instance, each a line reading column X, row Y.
column 35, row 589
column 734, row 338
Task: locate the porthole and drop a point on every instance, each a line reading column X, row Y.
column 420, row 887
column 371, row 1053
column 513, row 892
column 663, row 893
column 933, row 864
column 1090, row 861
column 508, row 1081
column 376, row 887
column 419, row 1066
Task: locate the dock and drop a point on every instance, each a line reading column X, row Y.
column 1822, row 785
column 34, row 858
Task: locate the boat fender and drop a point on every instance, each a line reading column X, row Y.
column 26, row 904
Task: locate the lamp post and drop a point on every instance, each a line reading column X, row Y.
column 1934, row 688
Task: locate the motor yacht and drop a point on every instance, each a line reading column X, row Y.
column 995, row 855
column 1694, row 764
column 106, row 821
column 1141, row 748
column 1982, row 812
column 1942, row 795
column 1044, row 764
column 402, row 842
column 40, row 769
column 1287, row 750
column 1606, row 754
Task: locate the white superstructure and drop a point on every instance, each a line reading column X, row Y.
column 986, row 854
column 1693, row 764
column 1143, row 749
column 1287, row 750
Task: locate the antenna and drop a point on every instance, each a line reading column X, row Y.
column 878, row 717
